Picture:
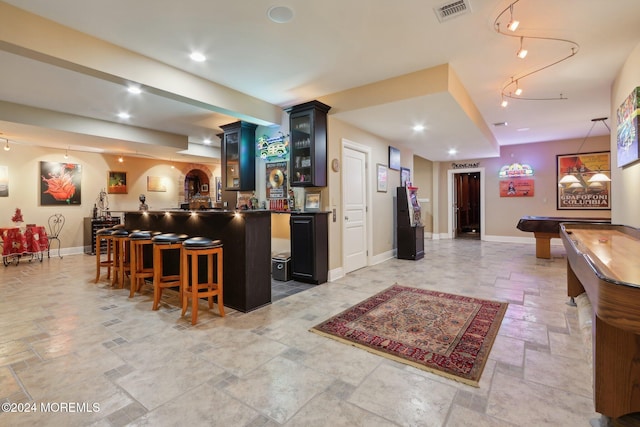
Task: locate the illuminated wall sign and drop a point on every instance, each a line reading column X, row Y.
column 273, row 148
column 515, row 170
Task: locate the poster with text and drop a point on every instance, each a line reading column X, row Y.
column 516, row 187
column 277, row 180
column 577, row 188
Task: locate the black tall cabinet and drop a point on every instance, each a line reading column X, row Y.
column 410, row 238
column 238, row 156
column 308, row 127
column 310, row 247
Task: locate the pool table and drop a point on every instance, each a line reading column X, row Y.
column 544, row 228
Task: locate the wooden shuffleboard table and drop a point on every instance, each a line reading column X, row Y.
column 545, row 228
column 604, row 261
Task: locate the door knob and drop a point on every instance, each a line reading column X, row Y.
column 346, row 218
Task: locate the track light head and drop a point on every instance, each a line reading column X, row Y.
column 522, row 53
column 513, row 23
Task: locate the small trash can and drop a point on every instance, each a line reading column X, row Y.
column 280, row 264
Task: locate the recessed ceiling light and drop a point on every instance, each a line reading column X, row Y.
column 418, row 128
column 124, row 115
column 206, row 141
column 198, row 57
column 134, row 89
column 280, row 14
column 522, row 129
column 452, row 151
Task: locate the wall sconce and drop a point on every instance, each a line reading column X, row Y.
column 120, row 159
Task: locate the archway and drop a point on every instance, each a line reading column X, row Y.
column 190, row 173
column 195, row 182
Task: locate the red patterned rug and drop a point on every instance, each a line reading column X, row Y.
column 449, row 335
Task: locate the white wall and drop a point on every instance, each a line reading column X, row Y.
column 626, row 204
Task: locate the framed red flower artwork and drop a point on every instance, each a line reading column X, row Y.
column 60, row 183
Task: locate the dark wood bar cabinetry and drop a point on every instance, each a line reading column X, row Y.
column 91, row 225
column 238, row 156
column 246, row 239
column 308, row 126
column 310, row 247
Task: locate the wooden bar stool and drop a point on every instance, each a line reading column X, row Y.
column 104, row 235
column 193, row 249
column 138, row 240
column 161, row 279
column 122, row 266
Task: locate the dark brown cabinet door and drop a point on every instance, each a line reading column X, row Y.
column 308, row 127
column 310, row 247
column 238, row 156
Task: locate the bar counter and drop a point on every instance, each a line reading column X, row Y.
column 246, row 236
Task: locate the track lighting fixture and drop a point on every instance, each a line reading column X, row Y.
column 6, row 146
column 66, row 153
column 513, row 23
column 504, row 20
column 504, row 103
column 518, row 90
column 522, row 53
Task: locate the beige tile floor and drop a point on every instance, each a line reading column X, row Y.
column 64, row 339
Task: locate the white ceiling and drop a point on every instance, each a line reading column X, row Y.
column 329, row 46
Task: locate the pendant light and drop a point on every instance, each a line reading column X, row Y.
column 570, row 179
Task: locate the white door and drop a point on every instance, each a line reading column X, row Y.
column 354, row 202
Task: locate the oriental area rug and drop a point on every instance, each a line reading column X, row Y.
column 449, row 335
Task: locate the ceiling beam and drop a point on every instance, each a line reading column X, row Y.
column 28, row 35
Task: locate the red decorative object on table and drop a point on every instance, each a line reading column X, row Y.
column 17, row 217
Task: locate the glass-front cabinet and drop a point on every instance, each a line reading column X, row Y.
column 308, row 127
column 238, row 156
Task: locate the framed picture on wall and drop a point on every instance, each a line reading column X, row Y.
column 116, row 182
column 156, row 183
column 60, row 183
column 583, row 181
column 312, row 202
column 382, row 177
column 394, row 158
column 218, row 182
column 4, row 181
column 405, row 176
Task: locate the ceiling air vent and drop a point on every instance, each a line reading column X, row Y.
column 452, row 10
